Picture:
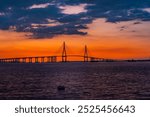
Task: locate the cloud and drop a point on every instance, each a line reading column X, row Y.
column 51, row 23
column 67, row 16
column 2, row 14
column 12, row 28
column 73, row 9
column 147, row 10
column 35, row 6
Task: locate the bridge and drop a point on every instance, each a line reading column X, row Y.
column 54, row 58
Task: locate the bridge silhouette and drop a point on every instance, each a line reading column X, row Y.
column 48, row 59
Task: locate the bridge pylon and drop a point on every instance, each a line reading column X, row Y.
column 64, row 53
column 86, row 54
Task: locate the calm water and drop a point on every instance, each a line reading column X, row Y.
column 114, row 80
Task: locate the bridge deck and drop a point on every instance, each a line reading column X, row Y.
column 53, row 58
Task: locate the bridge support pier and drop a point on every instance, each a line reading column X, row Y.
column 36, row 60
column 14, row 60
column 17, row 60
column 42, row 59
column 2, row 60
column 48, row 60
column 53, row 59
column 24, row 60
column 30, row 60
column 86, row 59
column 64, row 58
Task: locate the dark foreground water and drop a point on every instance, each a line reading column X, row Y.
column 116, row 80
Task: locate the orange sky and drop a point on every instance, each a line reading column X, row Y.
column 105, row 40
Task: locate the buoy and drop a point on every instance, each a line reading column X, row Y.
column 61, row 88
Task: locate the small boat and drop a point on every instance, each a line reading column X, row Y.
column 61, row 88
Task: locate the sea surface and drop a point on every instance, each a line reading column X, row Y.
column 99, row 80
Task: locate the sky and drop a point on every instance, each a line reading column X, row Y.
column 117, row 29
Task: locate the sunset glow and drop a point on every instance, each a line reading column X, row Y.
column 105, row 39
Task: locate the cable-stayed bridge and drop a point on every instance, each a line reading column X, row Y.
column 54, row 58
